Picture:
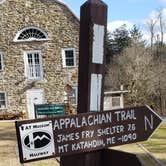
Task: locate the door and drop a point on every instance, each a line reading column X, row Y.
column 35, row 96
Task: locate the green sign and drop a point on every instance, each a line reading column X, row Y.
column 46, row 109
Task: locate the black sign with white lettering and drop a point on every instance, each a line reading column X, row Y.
column 84, row 132
column 93, row 131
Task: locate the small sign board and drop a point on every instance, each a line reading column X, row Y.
column 36, row 141
column 84, row 132
column 49, row 109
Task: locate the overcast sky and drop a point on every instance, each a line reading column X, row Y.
column 124, row 11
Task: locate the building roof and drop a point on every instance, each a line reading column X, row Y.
column 64, row 4
column 58, row 2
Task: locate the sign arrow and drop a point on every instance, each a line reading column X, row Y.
column 93, row 131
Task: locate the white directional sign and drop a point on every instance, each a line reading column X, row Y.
column 37, row 140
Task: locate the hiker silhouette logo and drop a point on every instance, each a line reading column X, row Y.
column 37, row 140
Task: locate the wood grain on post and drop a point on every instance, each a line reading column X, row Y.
column 93, row 23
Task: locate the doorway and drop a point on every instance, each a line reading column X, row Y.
column 34, row 96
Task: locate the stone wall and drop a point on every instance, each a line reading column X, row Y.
column 62, row 28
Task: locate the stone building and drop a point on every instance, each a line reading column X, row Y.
column 38, row 54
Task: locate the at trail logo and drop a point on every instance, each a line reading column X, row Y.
column 37, row 140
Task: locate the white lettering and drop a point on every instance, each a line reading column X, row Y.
column 125, row 115
column 148, row 123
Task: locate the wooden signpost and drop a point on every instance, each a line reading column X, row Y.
column 69, row 135
column 93, row 22
column 92, row 129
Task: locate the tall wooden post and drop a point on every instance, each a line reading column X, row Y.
column 93, row 23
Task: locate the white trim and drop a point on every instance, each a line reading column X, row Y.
column 6, row 106
column 69, row 8
column 36, row 90
column 64, row 57
column 31, row 39
column 98, row 44
column 27, row 97
column 116, row 92
column 26, row 64
column 2, row 61
column 95, row 92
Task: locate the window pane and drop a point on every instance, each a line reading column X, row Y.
column 2, row 100
column 69, row 55
column 115, row 101
column 31, row 33
column 0, row 61
column 2, row 96
column 30, row 59
column 34, row 66
column 2, row 103
column 36, row 56
column 69, row 62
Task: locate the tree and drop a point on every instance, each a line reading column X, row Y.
column 121, row 39
column 136, row 36
column 151, row 23
column 141, row 73
column 132, row 68
column 116, row 41
column 109, row 50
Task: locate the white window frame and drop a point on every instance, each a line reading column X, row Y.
column 2, row 62
column 76, row 95
column 30, row 39
column 27, row 64
column 64, row 57
column 4, row 100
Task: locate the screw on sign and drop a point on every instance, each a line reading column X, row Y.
column 87, row 132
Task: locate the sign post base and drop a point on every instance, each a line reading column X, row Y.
column 104, row 157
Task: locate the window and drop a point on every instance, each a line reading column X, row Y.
column 3, row 103
column 116, row 102
column 73, row 96
column 1, row 61
column 31, row 34
column 33, row 65
column 69, row 57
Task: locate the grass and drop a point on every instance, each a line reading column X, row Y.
column 157, row 144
